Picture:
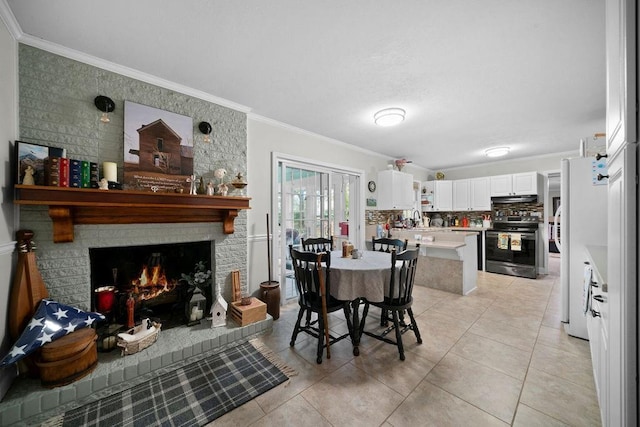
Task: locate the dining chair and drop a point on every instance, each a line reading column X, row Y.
column 310, row 268
column 398, row 299
column 318, row 244
column 385, row 244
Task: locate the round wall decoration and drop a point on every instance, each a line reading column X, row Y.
column 372, row 186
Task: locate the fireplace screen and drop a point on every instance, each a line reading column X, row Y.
column 135, row 282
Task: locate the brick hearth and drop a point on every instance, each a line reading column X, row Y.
column 28, row 403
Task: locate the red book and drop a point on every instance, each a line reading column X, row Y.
column 64, row 172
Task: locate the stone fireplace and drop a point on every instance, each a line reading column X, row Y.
column 151, row 275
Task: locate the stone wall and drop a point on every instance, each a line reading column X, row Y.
column 56, row 109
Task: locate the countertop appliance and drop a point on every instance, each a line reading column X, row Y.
column 511, row 247
column 583, row 216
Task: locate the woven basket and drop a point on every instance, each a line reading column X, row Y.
column 131, row 347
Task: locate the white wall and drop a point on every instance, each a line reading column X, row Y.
column 263, row 138
column 8, row 132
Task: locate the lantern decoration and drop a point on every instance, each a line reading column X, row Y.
column 195, row 307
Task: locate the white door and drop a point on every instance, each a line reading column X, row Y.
column 621, row 122
column 312, row 200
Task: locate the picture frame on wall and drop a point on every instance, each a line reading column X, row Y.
column 158, row 149
column 35, row 156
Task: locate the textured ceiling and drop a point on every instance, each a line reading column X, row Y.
column 529, row 74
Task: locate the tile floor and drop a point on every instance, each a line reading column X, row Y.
column 495, row 357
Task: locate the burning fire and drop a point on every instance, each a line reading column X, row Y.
column 152, row 283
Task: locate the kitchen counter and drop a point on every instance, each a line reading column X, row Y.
column 449, row 262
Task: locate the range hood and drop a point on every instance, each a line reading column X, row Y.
column 502, row 200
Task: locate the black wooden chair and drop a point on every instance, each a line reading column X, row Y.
column 398, row 298
column 385, row 244
column 318, row 244
column 306, row 268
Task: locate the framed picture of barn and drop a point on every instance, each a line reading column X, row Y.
column 158, row 149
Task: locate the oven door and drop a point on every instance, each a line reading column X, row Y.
column 507, row 260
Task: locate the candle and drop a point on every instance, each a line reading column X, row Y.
column 110, row 171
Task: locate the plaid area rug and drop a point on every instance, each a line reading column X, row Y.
column 192, row 395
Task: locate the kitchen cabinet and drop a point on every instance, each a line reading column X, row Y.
column 395, row 190
column 471, row 194
column 460, row 195
column 480, row 194
column 518, row 184
column 439, row 194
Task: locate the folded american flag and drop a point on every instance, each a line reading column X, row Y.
column 51, row 321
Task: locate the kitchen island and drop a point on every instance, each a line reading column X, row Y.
column 449, row 259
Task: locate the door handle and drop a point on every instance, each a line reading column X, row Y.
column 599, row 298
column 601, row 177
column 595, row 313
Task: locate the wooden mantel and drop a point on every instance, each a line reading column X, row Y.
column 70, row 206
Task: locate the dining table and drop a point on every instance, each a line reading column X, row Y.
column 356, row 279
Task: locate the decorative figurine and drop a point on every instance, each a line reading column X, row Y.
column 201, row 189
column 28, row 176
column 220, row 174
column 211, row 189
column 192, row 181
column 223, row 189
column 103, row 184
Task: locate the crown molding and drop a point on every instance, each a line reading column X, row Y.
column 9, row 19
column 128, row 72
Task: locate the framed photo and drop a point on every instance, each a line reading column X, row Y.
column 158, row 148
column 30, row 155
column 372, row 202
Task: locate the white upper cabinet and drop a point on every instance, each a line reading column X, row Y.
column 395, row 190
column 437, row 196
column 479, row 194
column 461, row 195
column 501, row 185
column 471, row 194
column 443, row 195
column 519, row 184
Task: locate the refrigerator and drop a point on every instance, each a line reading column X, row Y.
column 582, row 221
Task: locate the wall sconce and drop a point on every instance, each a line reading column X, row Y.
column 205, row 128
column 106, row 105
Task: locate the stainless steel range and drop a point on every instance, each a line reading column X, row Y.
column 511, row 246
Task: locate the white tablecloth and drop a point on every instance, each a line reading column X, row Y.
column 365, row 277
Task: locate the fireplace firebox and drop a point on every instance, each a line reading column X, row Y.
column 135, row 282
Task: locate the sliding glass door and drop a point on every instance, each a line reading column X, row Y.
column 311, row 200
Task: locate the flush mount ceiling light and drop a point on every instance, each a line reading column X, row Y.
column 496, row 152
column 389, row 116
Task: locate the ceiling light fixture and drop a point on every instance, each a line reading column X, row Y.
column 389, row 116
column 497, row 152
